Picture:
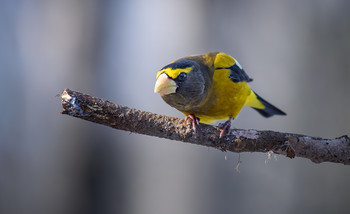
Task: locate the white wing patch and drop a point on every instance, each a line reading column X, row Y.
column 239, row 65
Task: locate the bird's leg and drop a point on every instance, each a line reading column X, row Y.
column 195, row 120
column 225, row 126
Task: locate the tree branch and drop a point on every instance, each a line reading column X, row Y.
column 239, row 140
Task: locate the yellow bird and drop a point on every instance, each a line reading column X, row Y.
column 208, row 88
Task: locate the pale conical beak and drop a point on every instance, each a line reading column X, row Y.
column 165, row 85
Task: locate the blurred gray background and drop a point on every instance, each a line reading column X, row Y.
column 297, row 52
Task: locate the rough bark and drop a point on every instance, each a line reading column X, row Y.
column 104, row 112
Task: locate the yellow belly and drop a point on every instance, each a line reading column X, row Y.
column 225, row 100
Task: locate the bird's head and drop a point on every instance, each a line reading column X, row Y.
column 183, row 84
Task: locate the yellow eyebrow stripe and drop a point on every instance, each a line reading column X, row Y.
column 173, row 73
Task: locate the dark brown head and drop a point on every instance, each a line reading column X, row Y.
column 183, row 84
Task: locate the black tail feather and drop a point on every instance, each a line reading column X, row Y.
column 269, row 109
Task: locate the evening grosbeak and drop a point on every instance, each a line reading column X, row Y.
column 208, row 88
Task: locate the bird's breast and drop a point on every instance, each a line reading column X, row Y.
column 225, row 99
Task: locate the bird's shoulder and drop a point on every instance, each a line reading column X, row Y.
column 224, row 61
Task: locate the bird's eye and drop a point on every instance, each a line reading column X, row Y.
column 182, row 76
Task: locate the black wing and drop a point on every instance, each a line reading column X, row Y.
column 238, row 74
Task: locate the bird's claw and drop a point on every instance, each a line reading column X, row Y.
column 194, row 119
column 225, row 126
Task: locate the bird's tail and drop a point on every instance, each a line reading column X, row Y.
column 262, row 106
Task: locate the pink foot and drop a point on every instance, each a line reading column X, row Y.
column 225, row 126
column 195, row 121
